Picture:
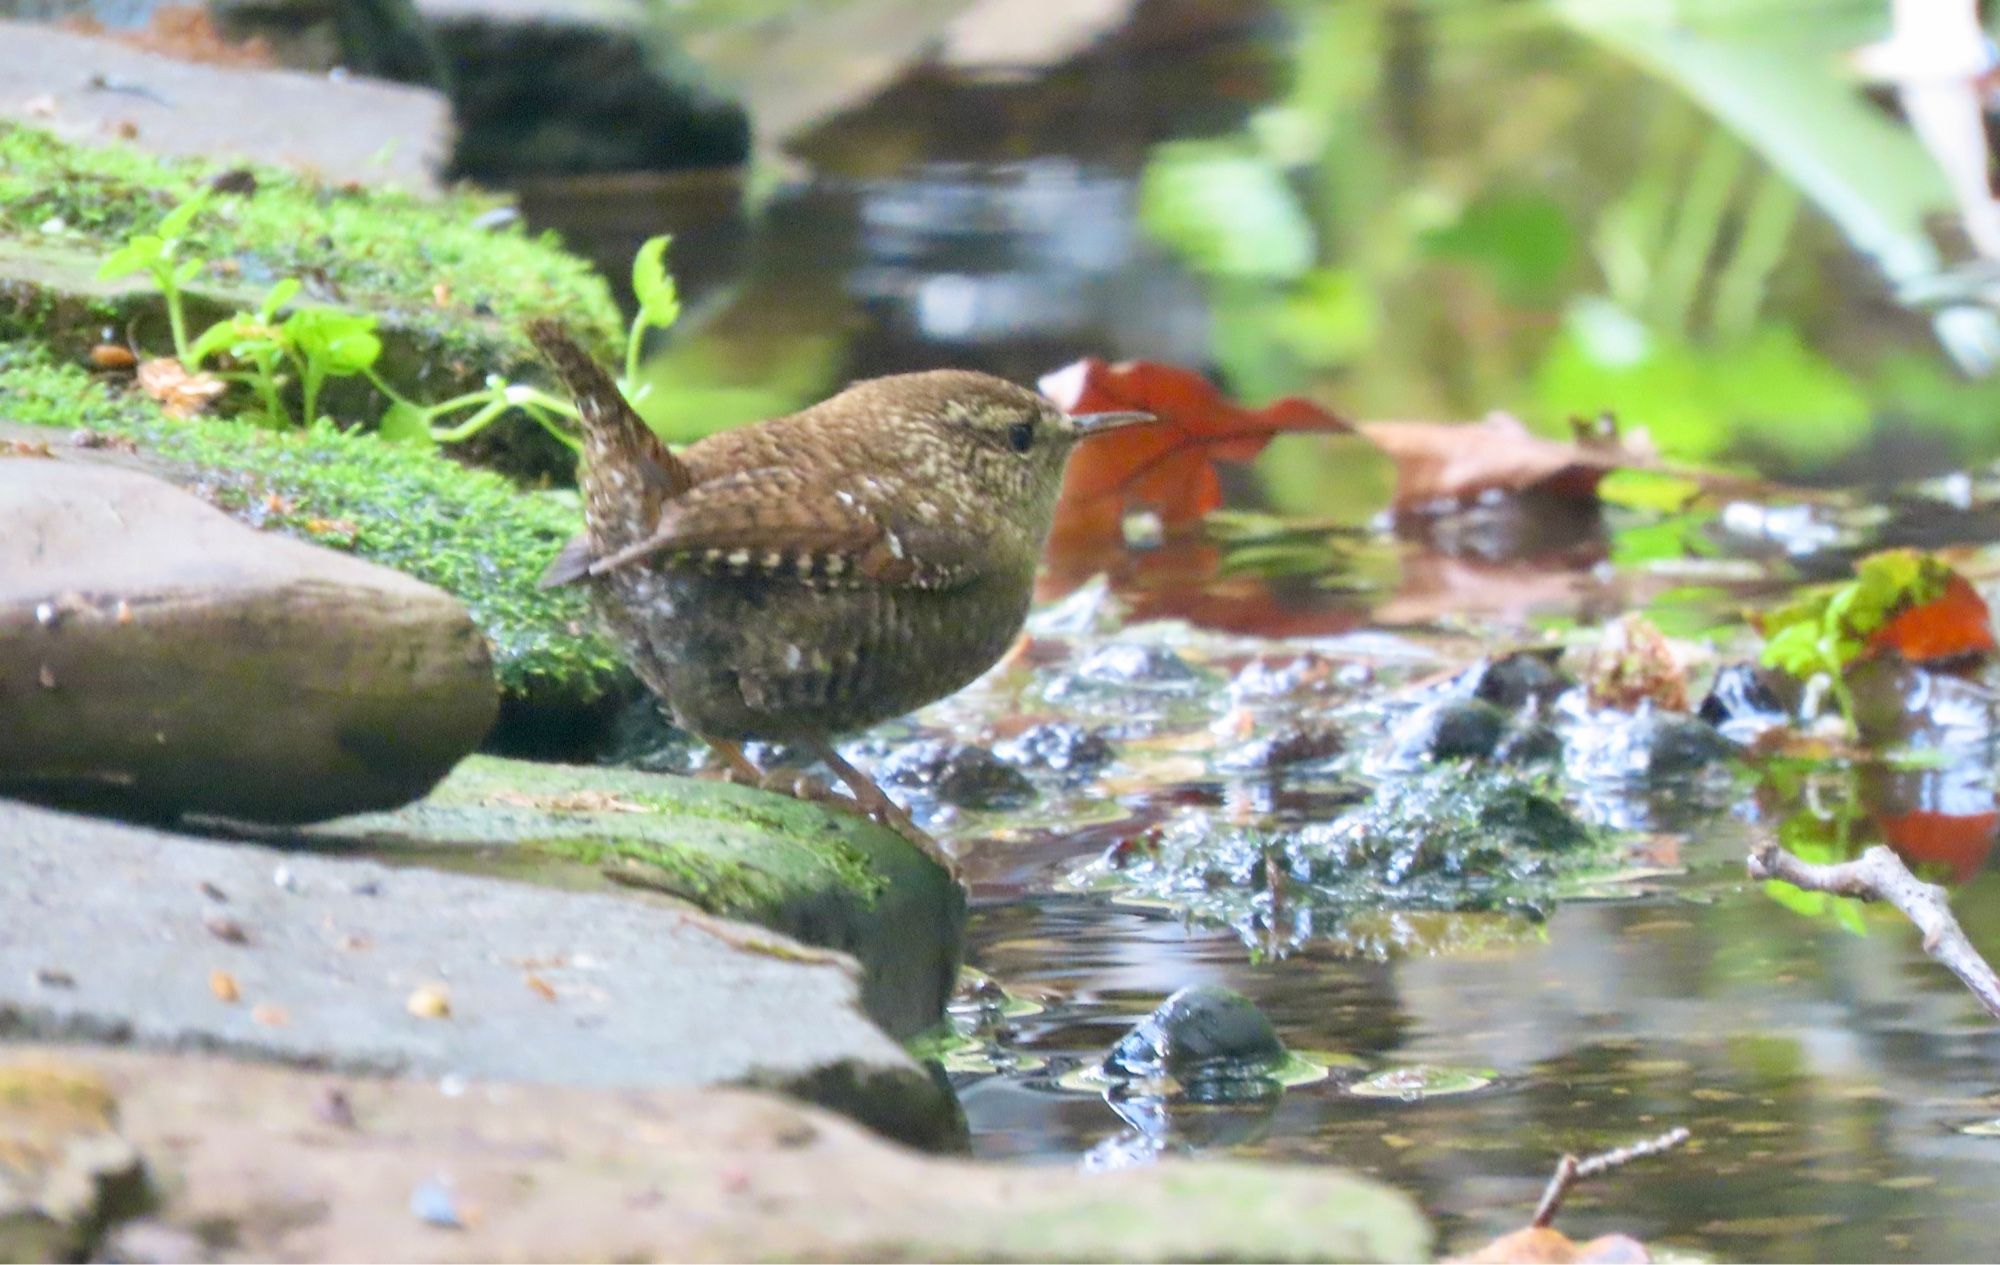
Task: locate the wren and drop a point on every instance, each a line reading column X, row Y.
column 820, row 572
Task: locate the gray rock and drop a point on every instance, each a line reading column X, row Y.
column 252, row 1168
column 359, row 967
column 181, row 108
column 958, row 773
column 158, row 657
column 822, row 875
column 1212, row 1040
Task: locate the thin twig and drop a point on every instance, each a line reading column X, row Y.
column 1571, row 1170
column 1879, row 874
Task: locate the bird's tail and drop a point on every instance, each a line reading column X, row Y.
column 628, row 473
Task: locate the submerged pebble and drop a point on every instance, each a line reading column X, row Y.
column 1059, row 746
column 1300, row 742
column 1134, row 663
column 958, row 773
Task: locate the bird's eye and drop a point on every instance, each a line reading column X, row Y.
column 1021, row 436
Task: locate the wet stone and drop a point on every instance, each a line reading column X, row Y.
column 958, row 773
column 1213, row 1041
column 1139, row 664
column 1273, row 678
column 1451, row 729
column 1060, row 747
column 1748, row 697
column 1302, row 742
column 1647, row 744
column 1517, row 680
column 1530, row 741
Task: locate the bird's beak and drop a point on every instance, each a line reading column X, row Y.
column 1085, row 425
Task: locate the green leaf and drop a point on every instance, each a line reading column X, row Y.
column 1523, row 241
column 281, row 294
column 137, row 255
column 176, row 223
column 653, row 285
column 238, row 336
column 340, row 344
column 406, row 423
column 188, row 270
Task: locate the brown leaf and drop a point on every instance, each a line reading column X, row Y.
column 1460, row 461
column 1634, row 663
column 1168, row 467
column 180, row 393
column 1539, row 1245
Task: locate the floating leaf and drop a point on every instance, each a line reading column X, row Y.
column 1460, row 461
column 1168, row 467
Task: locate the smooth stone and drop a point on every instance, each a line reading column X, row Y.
column 1451, row 729
column 282, row 1163
column 363, row 968
column 1202, row 1034
column 177, row 108
column 161, row 658
column 823, row 875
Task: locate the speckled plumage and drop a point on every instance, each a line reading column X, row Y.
column 820, row 572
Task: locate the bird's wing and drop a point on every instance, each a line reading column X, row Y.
column 770, row 523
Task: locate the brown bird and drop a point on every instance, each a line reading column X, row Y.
column 819, row 572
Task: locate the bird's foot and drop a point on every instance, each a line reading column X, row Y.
column 872, row 802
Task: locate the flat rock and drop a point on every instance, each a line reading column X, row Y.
column 129, row 936
column 266, row 1163
column 824, row 876
column 158, row 657
column 92, row 89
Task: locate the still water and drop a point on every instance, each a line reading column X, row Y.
column 1695, row 216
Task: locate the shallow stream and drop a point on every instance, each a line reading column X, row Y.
column 1429, row 210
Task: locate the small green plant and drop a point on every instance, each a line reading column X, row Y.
column 159, row 254
column 1828, row 629
column 315, row 343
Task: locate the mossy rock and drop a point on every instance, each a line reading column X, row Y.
column 450, row 292
column 822, row 876
column 470, row 532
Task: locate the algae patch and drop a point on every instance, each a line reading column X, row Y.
column 1494, row 845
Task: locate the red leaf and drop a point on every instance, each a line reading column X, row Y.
column 1169, row 467
column 1952, row 626
column 1960, row 842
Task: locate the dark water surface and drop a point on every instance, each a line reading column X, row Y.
column 1429, row 210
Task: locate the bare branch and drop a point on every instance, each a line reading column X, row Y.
column 1879, row 874
column 1571, row 1170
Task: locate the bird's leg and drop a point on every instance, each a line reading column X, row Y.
column 736, row 766
column 873, row 801
column 740, row 770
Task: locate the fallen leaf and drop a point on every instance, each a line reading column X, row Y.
column 223, row 985
column 180, row 393
column 1953, row 625
column 539, row 987
column 25, row 448
column 112, row 356
column 1538, row 1245
column 1454, row 462
column 270, row 1015
column 1168, row 467
column 585, row 801
column 1634, row 663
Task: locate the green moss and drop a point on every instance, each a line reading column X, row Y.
column 421, row 264
column 469, row 532
column 690, row 835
